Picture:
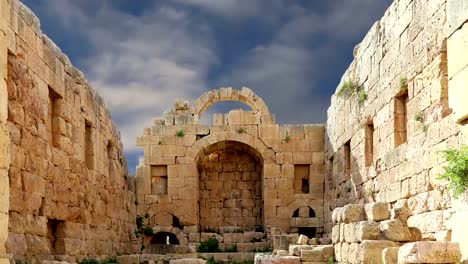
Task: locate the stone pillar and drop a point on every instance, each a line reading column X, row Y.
column 457, row 52
column 4, row 135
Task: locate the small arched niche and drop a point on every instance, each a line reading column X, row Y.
column 304, row 219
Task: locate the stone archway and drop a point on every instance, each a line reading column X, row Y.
column 230, row 188
column 245, row 96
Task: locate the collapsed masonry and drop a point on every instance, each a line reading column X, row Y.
column 245, row 180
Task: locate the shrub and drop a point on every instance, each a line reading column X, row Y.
column 209, row 246
column 88, row 261
column 362, row 96
column 403, row 83
column 148, row 231
column 180, row 133
column 347, row 88
column 241, row 130
column 140, row 221
column 457, row 170
column 287, row 139
column 213, row 261
column 419, row 116
column 110, row 261
column 330, row 260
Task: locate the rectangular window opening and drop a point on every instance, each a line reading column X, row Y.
column 89, row 145
column 401, row 118
column 110, row 160
column 301, row 178
column 347, row 159
column 53, row 131
column 53, row 234
column 159, row 179
column 369, row 144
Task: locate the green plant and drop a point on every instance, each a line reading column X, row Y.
column 347, row 89
column 140, row 222
column 88, row 261
column 26, row 261
column 209, row 246
column 424, row 127
column 403, row 83
column 241, row 130
column 287, row 138
column 213, row 261
column 148, row 231
column 362, row 96
column 330, row 260
column 110, row 261
column 159, row 142
column 457, row 170
column 231, row 249
column 419, row 116
column 180, row 133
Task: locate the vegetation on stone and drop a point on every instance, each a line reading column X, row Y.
column 457, row 170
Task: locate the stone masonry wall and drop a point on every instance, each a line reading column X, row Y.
column 289, row 156
column 68, row 192
column 386, row 147
column 4, row 135
column 230, row 190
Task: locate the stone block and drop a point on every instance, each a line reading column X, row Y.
column 371, row 250
column 390, row 255
column 427, row 222
column 457, row 92
column 377, row 211
column 353, row 213
column 429, row 252
column 395, row 230
column 129, row 259
column 265, row 259
column 457, row 13
column 295, row 250
column 187, row 261
column 302, row 240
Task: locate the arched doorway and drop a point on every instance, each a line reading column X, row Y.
column 230, row 187
column 304, row 220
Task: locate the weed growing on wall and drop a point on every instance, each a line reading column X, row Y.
column 209, row 246
column 419, row 116
column 350, row 88
column 180, row 133
column 403, row 83
column 457, row 170
column 241, row 130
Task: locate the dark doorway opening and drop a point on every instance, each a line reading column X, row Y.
column 161, row 238
column 307, row 231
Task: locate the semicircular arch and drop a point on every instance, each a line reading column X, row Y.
column 246, row 96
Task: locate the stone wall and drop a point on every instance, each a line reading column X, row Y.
column 230, row 190
column 287, row 156
column 383, row 141
column 4, row 135
column 68, row 191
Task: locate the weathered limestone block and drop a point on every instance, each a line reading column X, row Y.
column 371, row 250
column 282, row 252
column 427, row 222
column 317, row 254
column 295, row 250
column 377, row 211
column 302, row 240
column 353, row 213
column 429, row 252
column 395, row 230
column 364, row 230
column 262, row 259
column 457, row 12
column 283, row 241
column 187, row 261
column 335, row 234
column 129, row 259
column 337, row 215
column 390, row 255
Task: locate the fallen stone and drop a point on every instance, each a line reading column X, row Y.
column 128, row 259
column 302, row 240
column 429, row 252
column 295, row 250
column 187, row 261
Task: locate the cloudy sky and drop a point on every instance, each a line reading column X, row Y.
column 141, row 55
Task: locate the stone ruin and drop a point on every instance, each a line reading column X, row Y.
column 362, row 188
